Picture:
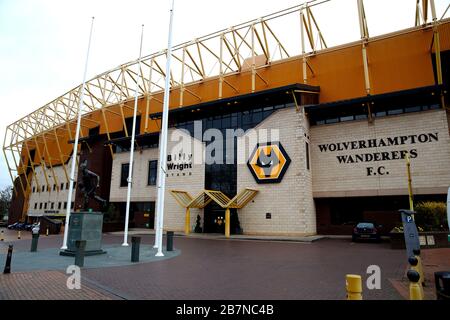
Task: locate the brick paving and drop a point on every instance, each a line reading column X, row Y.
column 211, row 269
column 46, row 285
column 433, row 260
column 241, row 269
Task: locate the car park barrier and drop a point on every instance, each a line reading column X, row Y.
column 8, row 260
column 2, row 236
column 415, row 288
column 354, row 287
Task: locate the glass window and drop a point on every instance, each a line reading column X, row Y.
column 52, row 205
column 35, row 205
column 395, row 111
column 346, row 118
column 72, row 204
column 40, row 205
column 332, row 120
column 434, row 106
column 67, row 185
column 152, row 172
column 62, row 186
column 307, row 154
column 124, row 174
column 43, row 188
column 360, row 116
column 367, row 225
column 54, row 187
column 59, row 205
column 413, row 109
column 65, row 205
column 45, row 205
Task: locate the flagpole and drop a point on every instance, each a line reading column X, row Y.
column 163, row 143
column 75, row 146
column 133, row 136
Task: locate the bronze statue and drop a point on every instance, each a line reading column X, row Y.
column 89, row 182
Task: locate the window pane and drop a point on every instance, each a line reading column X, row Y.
column 395, row 111
column 152, row 172
column 124, row 174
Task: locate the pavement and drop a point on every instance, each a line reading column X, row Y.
column 214, row 268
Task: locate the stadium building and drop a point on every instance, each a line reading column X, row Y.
column 324, row 141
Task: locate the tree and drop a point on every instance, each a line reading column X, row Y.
column 5, row 200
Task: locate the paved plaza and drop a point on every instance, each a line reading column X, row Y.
column 206, row 268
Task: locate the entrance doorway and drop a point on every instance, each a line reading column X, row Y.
column 214, row 219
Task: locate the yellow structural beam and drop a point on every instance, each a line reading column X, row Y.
column 185, row 200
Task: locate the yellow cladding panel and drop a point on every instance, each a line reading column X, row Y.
column 396, row 62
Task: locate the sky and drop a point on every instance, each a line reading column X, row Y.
column 43, row 43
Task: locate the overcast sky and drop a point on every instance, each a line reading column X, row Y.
column 43, row 43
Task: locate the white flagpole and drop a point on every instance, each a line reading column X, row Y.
column 75, row 145
column 163, row 143
column 133, row 136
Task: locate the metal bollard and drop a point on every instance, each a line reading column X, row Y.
column 354, row 287
column 79, row 254
column 135, row 243
column 169, row 241
column 415, row 266
column 415, row 289
column 419, row 266
column 34, row 242
column 8, row 260
column 2, row 236
column 46, row 232
column 18, row 234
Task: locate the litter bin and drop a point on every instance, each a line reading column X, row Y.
column 442, row 282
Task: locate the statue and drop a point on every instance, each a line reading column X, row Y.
column 89, row 182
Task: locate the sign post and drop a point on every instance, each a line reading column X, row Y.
column 410, row 232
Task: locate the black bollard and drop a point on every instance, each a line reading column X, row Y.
column 169, row 244
column 8, row 260
column 79, row 254
column 34, row 242
column 135, row 243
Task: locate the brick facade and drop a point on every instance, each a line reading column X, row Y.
column 291, row 201
column 430, row 170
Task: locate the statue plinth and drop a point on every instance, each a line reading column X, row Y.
column 85, row 226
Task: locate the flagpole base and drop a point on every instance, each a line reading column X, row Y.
column 124, row 244
column 159, row 254
column 64, row 248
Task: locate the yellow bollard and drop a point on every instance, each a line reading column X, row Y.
column 2, row 236
column 18, row 234
column 415, row 289
column 353, row 285
column 227, row 223
column 187, row 221
column 419, row 266
column 46, row 232
column 414, row 262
